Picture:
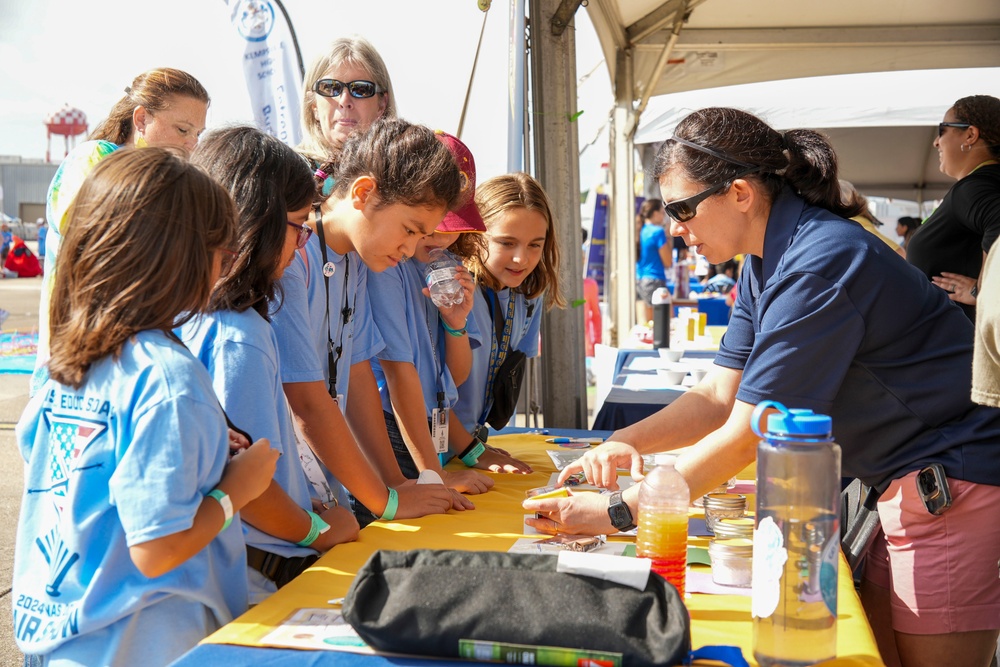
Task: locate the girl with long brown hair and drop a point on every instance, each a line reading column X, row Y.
column 128, row 550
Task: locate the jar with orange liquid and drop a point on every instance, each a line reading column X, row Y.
column 663, row 521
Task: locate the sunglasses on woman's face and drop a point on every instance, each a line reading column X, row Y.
column 359, row 89
column 304, row 234
column 683, row 210
column 943, row 126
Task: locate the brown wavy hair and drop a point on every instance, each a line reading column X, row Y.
column 138, row 255
column 151, row 90
column 266, row 179
column 504, row 193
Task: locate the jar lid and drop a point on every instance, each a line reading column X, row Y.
column 742, row 527
column 735, row 546
column 725, row 500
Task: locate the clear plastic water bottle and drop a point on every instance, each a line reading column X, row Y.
column 796, row 542
column 664, row 498
column 445, row 290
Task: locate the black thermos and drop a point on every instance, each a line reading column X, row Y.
column 662, row 307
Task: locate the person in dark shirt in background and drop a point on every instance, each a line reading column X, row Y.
column 951, row 245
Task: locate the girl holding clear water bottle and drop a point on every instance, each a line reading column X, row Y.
column 427, row 352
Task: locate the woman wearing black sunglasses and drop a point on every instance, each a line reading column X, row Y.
column 827, row 318
column 346, row 90
column 951, row 245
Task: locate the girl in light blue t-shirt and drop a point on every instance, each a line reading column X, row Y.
column 128, row 547
column 393, row 185
column 273, row 190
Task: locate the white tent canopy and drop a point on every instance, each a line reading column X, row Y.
column 882, row 125
column 657, row 47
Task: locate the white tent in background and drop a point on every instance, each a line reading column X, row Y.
column 882, row 125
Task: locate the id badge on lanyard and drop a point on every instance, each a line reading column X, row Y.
column 439, row 429
column 342, row 404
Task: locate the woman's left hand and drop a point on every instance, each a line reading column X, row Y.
column 958, row 287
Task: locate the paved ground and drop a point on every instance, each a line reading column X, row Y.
column 20, row 298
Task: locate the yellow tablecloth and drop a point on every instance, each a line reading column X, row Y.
column 495, row 524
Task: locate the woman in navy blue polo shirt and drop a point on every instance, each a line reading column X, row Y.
column 827, row 318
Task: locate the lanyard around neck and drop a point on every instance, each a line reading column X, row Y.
column 334, row 353
column 500, row 341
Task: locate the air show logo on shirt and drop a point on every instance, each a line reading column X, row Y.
column 69, row 438
column 256, row 19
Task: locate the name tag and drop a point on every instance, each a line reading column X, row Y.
column 439, row 430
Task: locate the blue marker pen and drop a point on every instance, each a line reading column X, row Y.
column 580, row 441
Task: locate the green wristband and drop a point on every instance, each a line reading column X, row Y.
column 471, row 457
column 455, row 332
column 391, row 506
column 225, row 502
column 317, row 527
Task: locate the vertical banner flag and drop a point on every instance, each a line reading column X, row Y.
column 271, row 66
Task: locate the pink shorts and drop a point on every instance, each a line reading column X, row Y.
column 941, row 571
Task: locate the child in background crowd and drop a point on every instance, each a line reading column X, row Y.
column 128, row 551
column 519, row 267
column 428, row 352
column 393, row 185
column 273, row 189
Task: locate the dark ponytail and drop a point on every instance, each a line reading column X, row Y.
column 801, row 159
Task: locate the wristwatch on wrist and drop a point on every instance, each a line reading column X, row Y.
column 621, row 515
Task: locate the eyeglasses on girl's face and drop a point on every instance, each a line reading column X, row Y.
column 943, row 126
column 359, row 89
column 683, row 210
column 304, row 234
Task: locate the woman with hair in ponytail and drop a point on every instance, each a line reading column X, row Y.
column 161, row 107
column 827, row 318
column 951, row 245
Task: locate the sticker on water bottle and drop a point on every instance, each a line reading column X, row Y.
column 828, row 573
column 769, row 557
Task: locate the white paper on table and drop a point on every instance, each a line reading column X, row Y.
column 317, row 629
column 700, row 581
column 632, row 572
column 531, row 545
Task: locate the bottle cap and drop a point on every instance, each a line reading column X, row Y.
column 661, row 295
column 789, row 422
column 799, row 422
column 665, row 459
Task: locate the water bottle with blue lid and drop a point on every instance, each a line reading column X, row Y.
column 796, row 544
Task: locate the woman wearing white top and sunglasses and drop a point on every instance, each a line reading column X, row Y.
column 346, row 90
